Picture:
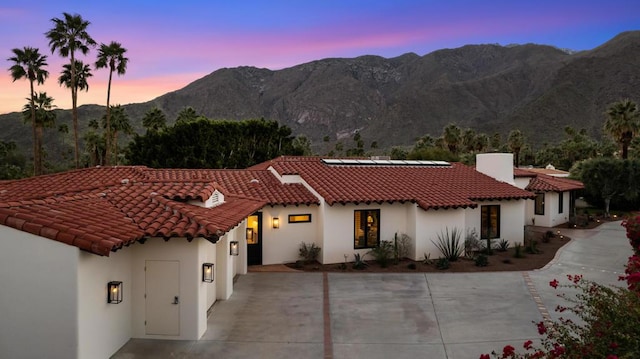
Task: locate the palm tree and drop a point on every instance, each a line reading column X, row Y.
column 452, row 137
column 119, row 123
column 68, row 36
column 111, row 56
column 45, row 117
column 82, row 73
column 516, row 143
column 154, row 120
column 623, row 123
column 29, row 63
column 188, row 114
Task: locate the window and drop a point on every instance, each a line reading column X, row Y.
column 299, row 218
column 539, row 203
column 366, row 226
column 560, row 202
column 490, row 221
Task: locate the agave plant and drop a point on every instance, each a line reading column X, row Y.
column 449, row 244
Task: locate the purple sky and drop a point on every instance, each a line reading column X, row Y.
column 174, row 43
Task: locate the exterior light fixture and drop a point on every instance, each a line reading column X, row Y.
column 276, row 222
column 207, row 272
column 558, row 232
column 234, row 248
column 114, row 292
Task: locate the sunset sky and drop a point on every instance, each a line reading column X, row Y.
column 173, row 43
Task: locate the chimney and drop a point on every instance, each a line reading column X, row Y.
column 496, row 165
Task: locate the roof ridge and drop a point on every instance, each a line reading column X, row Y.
column 51, row 199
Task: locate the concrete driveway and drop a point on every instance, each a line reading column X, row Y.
column 405, row 315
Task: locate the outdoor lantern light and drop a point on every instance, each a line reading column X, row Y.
column 207, row 272
column 276, row 222
column 114, row 292
column 233, row 248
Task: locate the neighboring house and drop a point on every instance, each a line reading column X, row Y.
column 165, row 239
column 555, row 195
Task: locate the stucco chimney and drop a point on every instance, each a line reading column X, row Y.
column 496, row 165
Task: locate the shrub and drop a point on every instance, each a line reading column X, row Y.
column 503, row 245
column 532, row 247
column 401, row 246
column 358, row 262
column 481, row 261
column 383, row 253
column 632, row 226
column 517, row 253
column 449, row 244
column 427, row 259
column 308, row 252
column 607, row 325
column 546, row 237
column 411, row 265
column 472, row 244
column 443, row 263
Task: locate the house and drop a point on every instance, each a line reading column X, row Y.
column 555, row 195
column 91, row 258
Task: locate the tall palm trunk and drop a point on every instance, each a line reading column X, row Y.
column 36, row 152
column 74, row 111
column 108, row 129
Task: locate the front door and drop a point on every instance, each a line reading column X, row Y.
column 254, row 239
column 162, row 297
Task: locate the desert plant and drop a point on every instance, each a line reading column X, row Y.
column 308, row 252
column 503, row 245
column 472, row 244
column 481, row 261
column 449, row 244
column 532, row 247
column 443, row 263
column 518, row 251
column 546, row 237
column 427, row 259
column 401, row 246
column 383, row 253
column 358, row 261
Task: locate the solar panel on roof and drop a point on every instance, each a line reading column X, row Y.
column 373, row 162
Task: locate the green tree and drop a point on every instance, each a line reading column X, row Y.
column 496, row 141
column 30, row 64
column 45, row 117
column 516, row 142
column 187, row 114
column 623, row 123
column 12, row 163
column 68, row 36
column 111, row 56
column 452, row 138
column 119, row 124
column 154, row 120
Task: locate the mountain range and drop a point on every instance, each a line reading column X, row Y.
column 538, row 89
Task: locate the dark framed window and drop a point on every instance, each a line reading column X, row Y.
column 366, row 228
column 539, row 204
column 300, row 218
column 490, row 221
column 560, row 202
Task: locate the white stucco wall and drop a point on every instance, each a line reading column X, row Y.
column 224, row 268
column 102, row 327
column 210, row 288
column 496, row 165
column 280, row 245
column 511, row 219
column 338, row 228
column 552, row 217
column 192, row 307
column 430, row 224
column 38, row 297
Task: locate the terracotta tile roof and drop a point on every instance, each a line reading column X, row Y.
column 103, row 209
column 430, row 187
column 541, row 182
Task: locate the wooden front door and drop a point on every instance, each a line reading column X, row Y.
column 254, row 239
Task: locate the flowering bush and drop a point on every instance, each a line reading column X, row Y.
column 609, row 325
column 632, row 225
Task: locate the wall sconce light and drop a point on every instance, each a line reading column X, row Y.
column 114, row 292
column 207, row 272
column 234, row 248
column 276, row 222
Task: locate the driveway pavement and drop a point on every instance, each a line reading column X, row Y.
column 404, row 315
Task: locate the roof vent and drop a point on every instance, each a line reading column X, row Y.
column 254, row 181
column 124, row 181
